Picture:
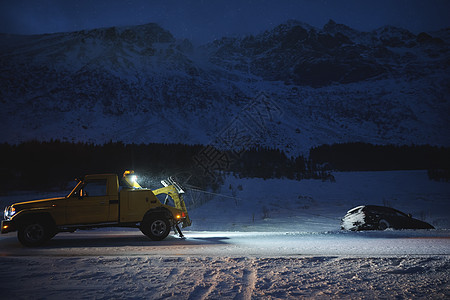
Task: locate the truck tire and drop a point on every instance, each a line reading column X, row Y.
column 35, row 232
column 156, row 227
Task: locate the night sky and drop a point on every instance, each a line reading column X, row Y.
column 205, row 20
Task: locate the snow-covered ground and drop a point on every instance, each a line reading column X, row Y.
column 276, row 239
column 317, row 206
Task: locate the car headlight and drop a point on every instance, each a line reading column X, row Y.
column 9, row 212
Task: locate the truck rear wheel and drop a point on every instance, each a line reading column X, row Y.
column 34, row 233
column 155, row 227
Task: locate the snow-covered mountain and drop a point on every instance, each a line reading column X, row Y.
column 291, row 87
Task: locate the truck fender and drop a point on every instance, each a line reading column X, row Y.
column 26, row 215
column 159, row 211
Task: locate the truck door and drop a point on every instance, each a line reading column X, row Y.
column 89, row 204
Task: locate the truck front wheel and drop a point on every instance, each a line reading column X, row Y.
column 34, row 233
column 155, row 227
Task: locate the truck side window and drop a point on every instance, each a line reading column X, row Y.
column 93, row 188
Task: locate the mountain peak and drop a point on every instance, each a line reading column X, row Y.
column 332, row 27
column 289, row 24
column 150, row 33
column 391, row 31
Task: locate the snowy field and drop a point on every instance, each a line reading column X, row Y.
column 276, row 239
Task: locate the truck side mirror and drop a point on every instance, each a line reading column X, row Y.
column 79, row 194
column 83, row 193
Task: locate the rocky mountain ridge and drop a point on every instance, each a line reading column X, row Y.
column 291, row 87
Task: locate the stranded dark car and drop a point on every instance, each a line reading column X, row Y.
column 372, row 217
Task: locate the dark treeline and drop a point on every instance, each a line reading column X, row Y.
column 38, row 165
column 368, row 157
column 273, row 163
column 54, row 164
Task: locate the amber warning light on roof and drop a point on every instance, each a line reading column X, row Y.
column 131, row 179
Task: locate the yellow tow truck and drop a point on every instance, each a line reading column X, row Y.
column 100, row 200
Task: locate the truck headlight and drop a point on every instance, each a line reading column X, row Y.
column 9, row 212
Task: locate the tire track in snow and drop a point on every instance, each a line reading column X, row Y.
column 250, row 278
column 204, row 288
